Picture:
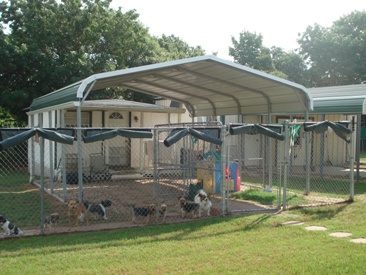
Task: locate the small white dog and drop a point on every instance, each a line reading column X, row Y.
column 10, row 228
column 203, row 200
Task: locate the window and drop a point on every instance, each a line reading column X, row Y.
column 115, row 115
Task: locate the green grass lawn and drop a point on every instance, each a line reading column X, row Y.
column 251, row 244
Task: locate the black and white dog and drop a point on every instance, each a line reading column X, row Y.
column 98, row 209
column 149, row 212
column 188, row 207
column 10, row 228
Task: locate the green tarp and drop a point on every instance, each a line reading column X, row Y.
column 273, row 131
column 12, row 137
column 92, row 135
column 338, row 127
column 204, row 134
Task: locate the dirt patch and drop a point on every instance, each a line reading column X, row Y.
column 124, row 193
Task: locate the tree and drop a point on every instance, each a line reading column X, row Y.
column 175, row 48
column 249, row 51
column 7, row 120
column 55, row 43
column 167, row 48
column 336, row 55
column 290, row 64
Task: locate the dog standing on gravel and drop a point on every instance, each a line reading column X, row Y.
column 188, row 207
column 149, row 212
column 51, row 220
column 76, row 210
column 203, row 200
column 162, row 212
column 98, row 209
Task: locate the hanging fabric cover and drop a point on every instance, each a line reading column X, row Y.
column 177, row 134
column 93, row 135
column 340, row 130
column 253, row 129
column 14, row 137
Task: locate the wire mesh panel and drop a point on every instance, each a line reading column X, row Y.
column 258, row 171
column 20, row 200
column 188, row 164
column 120, row 177
column 325, row 176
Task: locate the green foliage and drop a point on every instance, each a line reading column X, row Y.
column 336, row 55
column 7, row 120
column 174, row 48
column 251, row 52
column 291, row 64
column 326, row 57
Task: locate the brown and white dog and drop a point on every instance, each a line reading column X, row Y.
column 77, row 210
column 203, row 200
column 149, row 212
column 188, row 207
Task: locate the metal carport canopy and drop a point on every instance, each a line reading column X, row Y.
column 208, row 86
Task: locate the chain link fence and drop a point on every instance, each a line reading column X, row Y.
column 120, row 174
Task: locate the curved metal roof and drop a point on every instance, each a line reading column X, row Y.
column 346, row 99
column 206, row 85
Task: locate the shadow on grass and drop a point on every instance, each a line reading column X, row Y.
column 124, row 237
column 324, row 213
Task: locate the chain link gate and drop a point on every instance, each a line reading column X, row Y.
column 319, row 163
column 188, row 159
column 257, row 151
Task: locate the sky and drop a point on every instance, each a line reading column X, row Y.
column 212, row 23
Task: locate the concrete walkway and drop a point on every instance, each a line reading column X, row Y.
column 322, row 228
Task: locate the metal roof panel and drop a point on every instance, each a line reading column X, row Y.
column 221, row 86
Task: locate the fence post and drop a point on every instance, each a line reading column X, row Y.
column 223, row 180
column 41, row 143
column 307, row 156
column 351, row 163
column 287, row 153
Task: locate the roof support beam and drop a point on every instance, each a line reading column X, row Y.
column 188, row 105
column 181, row 92
column 201, row 88
column 231, row 84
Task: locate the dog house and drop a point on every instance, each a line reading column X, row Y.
column 50, row 112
